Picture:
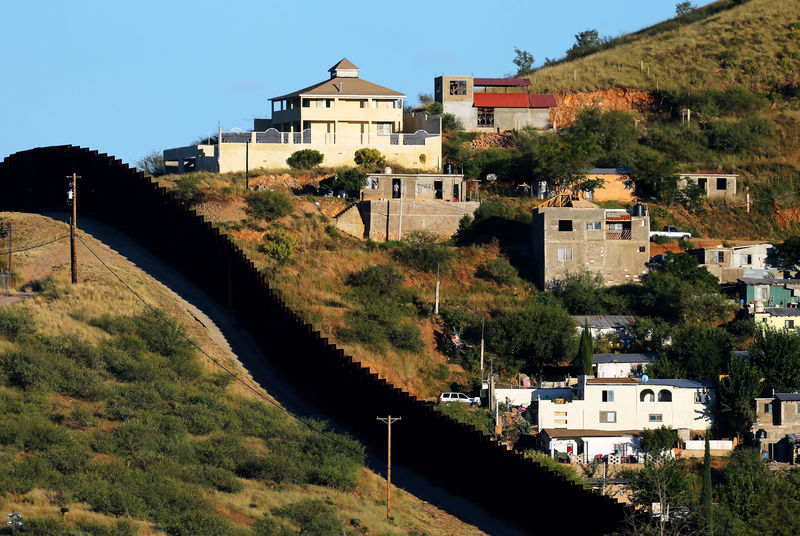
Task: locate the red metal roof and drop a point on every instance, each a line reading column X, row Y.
column 513, row 100
column 502, row 82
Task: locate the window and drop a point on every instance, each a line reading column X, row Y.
column 374, row 103
column 628, row 184
column 462, row 396
column 647, row 396
column 642, row 249
column 565, row 254
column 384, row 128
column 592, row 225
column 762, row 292
column 608, row 396
column 700, row 398
column 565, row 225
column 458, row 87
column 372, row 183
column 703, row 183
column 719, row 256
column 437, row 189
column 747, row 259
column 655, row 417
column 485, row 117
column 608, row 417
column 788, row 324
column 768, row 407
column 797, row 409
column 722, row 184
column 664, row 396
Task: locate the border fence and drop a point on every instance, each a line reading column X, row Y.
column 455, row 456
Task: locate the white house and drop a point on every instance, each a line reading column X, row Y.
column 586, row 445
column 621, row 365
column 620, row 404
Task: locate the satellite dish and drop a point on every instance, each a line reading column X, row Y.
column 645, row 377
column 491, row 177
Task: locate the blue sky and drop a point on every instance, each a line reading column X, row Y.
column 127, row 78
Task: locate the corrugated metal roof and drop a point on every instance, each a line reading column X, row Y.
column 502, row 82
column 623, row 358
column 686, row 384
column 609, row 171
column 788, row 397
column 604, row 321
column 501, row 100
column 782, row 311
column 513, row 100
column 770, row 281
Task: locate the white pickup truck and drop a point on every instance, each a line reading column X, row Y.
column 671, row 232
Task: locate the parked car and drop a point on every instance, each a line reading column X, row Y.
column 459, row 397
column 671, row 232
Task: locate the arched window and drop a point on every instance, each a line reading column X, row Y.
column 664, row 396
column 647, row 396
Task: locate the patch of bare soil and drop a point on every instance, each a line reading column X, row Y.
column 223, row 209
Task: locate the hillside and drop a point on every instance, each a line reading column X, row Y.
column 114, row 424
column 751, row 43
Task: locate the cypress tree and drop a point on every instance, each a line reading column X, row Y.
column 586, row 350
column 708, row 513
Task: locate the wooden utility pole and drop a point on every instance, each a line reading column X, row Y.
column 436, row 302
column 247, row 165
column 72, row 196
column 389, row 420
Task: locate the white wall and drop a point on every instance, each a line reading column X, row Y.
column 592, row 446
column 524, row 396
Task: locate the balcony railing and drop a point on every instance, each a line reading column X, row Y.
column 326, row 138
column 618, row 235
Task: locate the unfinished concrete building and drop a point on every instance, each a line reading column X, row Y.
column 570, row 235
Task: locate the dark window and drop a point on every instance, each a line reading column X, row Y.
column 768, row 407
column 664, row 396
column 485, row 117
column 437, row 189
column 458, row 87
column 608, row 396
column 564, row 225
column 722, row 184
column 788, row 324
column 642, row 249
column 396, row 187
column 703, row 183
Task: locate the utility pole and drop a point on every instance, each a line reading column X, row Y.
column 72, row 198
column 436, row 302
column 482, row 321
column 247, row 165
column 747, row 200
column 389, row 420
column 5, row 232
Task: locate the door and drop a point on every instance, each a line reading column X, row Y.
column 396, row 188
column 437, row 189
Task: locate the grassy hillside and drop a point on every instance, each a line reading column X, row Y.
column 755, row 43
column 113, row 424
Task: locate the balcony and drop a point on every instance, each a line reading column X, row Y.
column 618, row 235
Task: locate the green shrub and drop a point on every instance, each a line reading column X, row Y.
column 279, row 244
column 47, row 287
column 193, row 523
column 369, row 159
column 406, row 336
column 305, row 159
column 498, row 270
column 382, row 279
column 15, row 321
column 269, row 204
column 220, row 479
column 187, row 189
column 424, row 251
column 312, row 516
column 349, row 180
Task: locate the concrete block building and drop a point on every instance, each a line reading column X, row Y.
column 729, row 264
column 336, row 117
column 777, row 426
column 493, row 104
column 716, row 185
column 569, row 235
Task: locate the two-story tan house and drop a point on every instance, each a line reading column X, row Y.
column 336, row 117
column 570, row 235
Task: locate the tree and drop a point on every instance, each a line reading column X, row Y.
column 350, row 180
column 702, row 351
column 612, row 135
column 662, row 480
column 777, row 355
column 533, row 336
column 524, row 62
column 269, row 204
column 582, row 292
column 151, row 164
column 789, row 252
column 706, row 494
column 682, row 8
column 369, row 159
column 655, row 176
column 305, row 159
column 746, row 481
column 451, row 123
column 586, row 43
column 737, row 392
column 657, row 440
column 586, row 350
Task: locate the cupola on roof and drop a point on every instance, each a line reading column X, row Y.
column 344, row 69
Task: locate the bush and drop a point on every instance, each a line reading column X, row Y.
column 498, row 270
column 279, row 244
column 423, row 251
column 15, row 321
column 312, row 516
column 269, row 204
column 383, row 279
column 369, row 159
column 305, row 159
column 187, row 189
column 350, row 180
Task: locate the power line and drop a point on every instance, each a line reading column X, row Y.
column 39, row 245
column 215, row 361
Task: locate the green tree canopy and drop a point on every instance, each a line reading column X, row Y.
column 586, row 350
column 700, row 350
column 789, row 252
column 737, row 391
column 657, row 440
column 523, row 61
column 533, row 336
column 777, row 355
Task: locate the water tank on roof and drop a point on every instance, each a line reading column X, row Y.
column 448, row 168
column 639, row 210
column 387, row 170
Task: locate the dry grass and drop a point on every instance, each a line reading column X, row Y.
column 758, row 32
column 100, row 293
